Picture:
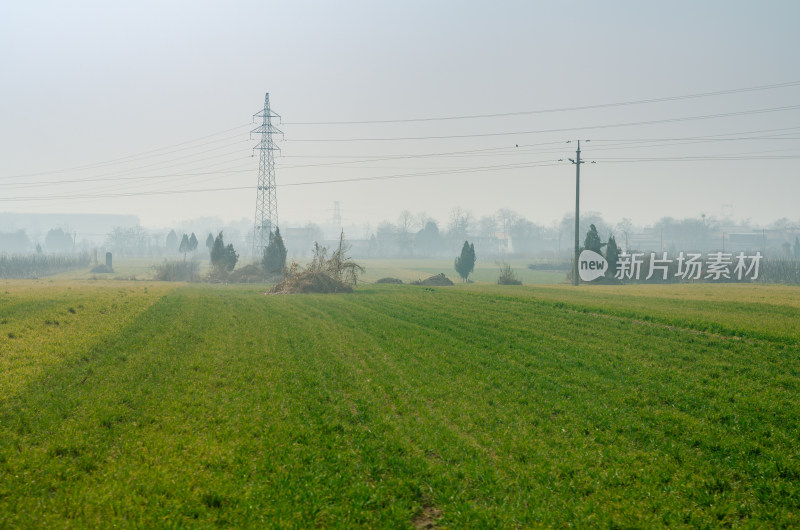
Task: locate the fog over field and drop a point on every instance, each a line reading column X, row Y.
column 410, row 322
column 145, row 109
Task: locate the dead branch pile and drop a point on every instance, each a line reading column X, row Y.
column 306, row 282
column 335, row 274
column 439, row 280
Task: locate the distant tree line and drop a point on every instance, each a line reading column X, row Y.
column 508, row 233
column 505, row 233
column 56, row 241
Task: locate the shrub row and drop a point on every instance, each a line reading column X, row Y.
column 17, row 266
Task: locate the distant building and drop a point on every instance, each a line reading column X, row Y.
column 504, row 243
column 745, row 241
column 646, row 241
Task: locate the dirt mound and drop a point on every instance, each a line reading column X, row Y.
column 248, row 274
column 439, row 280
column 395, row 281
column 307, row 282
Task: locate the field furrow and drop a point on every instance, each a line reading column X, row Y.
column 469, row 406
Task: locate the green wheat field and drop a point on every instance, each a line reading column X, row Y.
column 139, row 404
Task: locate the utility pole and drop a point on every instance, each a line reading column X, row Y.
column 577, row 162
column 266, row 201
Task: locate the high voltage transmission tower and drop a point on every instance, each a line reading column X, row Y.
column 337, row 216
column 266, row 201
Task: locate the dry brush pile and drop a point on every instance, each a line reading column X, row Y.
column 335, row 274
column 438, row 280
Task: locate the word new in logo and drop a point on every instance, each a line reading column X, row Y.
column 591, row 265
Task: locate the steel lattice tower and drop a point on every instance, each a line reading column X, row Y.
column 266, row 200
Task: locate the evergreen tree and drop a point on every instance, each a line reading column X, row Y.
column 57, row 240
column 218, row 252
column 231, row 257
column 428, row 240
column 592, row 241
column 274, row 259
column 184, row 246
column 796, row 247
column 223, row 258
column 210, row 242
column 192, row 242
column 465, row 263
column 172, row 241
column 612, row 255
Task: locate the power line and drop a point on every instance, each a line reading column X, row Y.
column 697, row 158
column 132, row 185
column 507, row 150
column 116, row 176
column 385, row 177
column 561, row 109
column 124, row 158
column 305, row 183
column 634, row 140
column 559, row 130
column 489, row 151
column 428, row 173
column 654, row 143
column 132, row 194
column 364, row 158
column 518, row 149
column 117, row 179
column 180, row 146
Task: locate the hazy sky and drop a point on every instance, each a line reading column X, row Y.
column 145, row 108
